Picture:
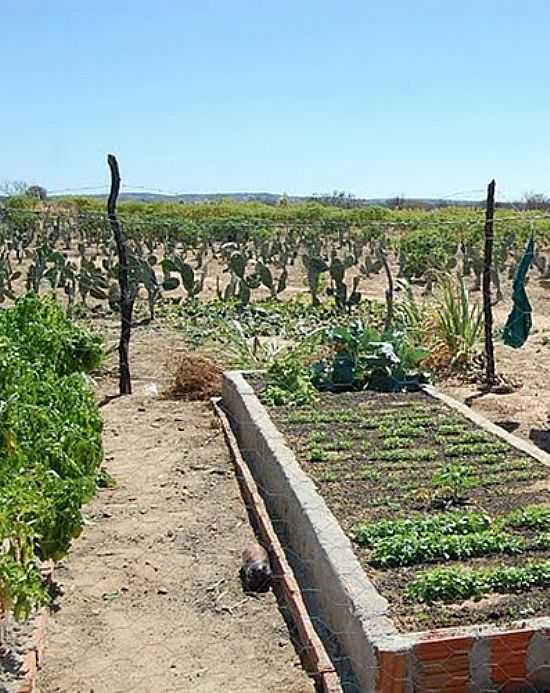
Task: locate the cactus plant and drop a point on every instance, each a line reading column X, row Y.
column 188, row 280
column 315, row 266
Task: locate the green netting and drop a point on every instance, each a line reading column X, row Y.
column 519, row 321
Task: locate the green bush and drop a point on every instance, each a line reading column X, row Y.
column 50, row 442
column 40, row 332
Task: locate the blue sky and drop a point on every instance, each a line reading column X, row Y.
column 422, row 98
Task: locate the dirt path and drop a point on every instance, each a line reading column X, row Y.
column 153, row 602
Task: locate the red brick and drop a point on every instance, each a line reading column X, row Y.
column 440, row 649
column 392, row 676
column 508, row 657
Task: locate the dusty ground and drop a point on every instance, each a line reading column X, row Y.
column 525, row 411
column 153, row 601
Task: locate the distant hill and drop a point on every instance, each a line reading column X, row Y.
column 273, row 198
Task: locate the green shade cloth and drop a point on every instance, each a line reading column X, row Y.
column 519, row 321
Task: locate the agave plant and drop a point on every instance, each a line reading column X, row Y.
column 458, row 321
column 233, row 347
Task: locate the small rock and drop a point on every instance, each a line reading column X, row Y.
column 150, row 390
column 162, row 590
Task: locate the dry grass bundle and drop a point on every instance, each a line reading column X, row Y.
column 195, row 378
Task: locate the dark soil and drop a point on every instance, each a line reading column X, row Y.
column 353, row 433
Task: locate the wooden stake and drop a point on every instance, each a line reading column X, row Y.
column 389, row 292
column 126, row 299
column 487, row 268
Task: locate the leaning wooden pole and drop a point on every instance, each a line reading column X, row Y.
column 126, row 300
column 388, row 293
column 487, row 302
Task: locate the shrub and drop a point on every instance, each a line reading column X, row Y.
column 50, row 442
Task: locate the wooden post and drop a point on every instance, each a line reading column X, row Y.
column 126, row 300
column 389, row 291
column 487, row 304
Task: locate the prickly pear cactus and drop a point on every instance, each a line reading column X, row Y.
column 315, row 266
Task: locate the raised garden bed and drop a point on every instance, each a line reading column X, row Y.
column 380, row 459
column 447, row 521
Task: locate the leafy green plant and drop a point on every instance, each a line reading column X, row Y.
column 369, row 473
column 451, row 429
column 50, row 443
column 465, row 449
column 530, row 517
column 45, row 336
column 456, row 584
column 409, row 549
column 461, row 436
column 365, row 358
column 406, row 454
column 453, row 480
column 289, row 382
column 316, row 453
column 457, row 522
column 330, row 476
column 405, row 430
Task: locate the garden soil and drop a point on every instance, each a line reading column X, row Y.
column 153, row 602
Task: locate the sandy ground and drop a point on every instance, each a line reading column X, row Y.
column 153, row 602
column 524, row 412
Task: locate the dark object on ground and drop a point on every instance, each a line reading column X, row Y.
column 256, row 570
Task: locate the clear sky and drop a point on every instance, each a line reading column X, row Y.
column 420, row 97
